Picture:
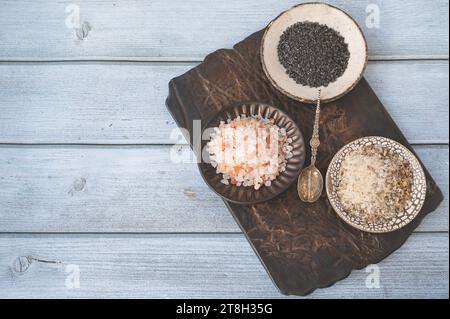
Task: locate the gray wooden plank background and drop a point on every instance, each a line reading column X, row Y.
column 197, row 266
column 128, row 189
column 85, row 143
column 178, row 29
column 122, row 103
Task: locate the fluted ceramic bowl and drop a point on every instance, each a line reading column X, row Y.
column 248, row 195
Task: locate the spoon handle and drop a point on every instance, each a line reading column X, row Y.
column 315, row 140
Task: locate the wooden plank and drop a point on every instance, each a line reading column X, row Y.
column 196, row 266
column 129, row 189
column 86, row 103
column 180, row 30
column 122, row 103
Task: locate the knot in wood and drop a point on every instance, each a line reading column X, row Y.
column 21, row 264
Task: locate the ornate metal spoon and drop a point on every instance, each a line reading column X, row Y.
column 310, row 181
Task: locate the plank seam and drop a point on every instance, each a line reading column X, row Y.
column 145, row 145
column 190, row 59
column 164, row 233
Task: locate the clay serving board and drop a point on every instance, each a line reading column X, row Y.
column 302, row 246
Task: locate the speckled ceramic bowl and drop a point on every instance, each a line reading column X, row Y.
column 419, row 187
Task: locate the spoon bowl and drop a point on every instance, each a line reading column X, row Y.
column 310, row 184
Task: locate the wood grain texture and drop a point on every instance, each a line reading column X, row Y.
column 177, row 29
column 197, row 266
column 302, row 246
column 127, row 189
column 120, row 103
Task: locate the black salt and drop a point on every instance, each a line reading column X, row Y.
column 313, row 54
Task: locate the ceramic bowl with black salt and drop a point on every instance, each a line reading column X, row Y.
column 251, row 152
column 314, row 46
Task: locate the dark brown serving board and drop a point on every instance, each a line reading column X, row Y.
column 302, row 246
